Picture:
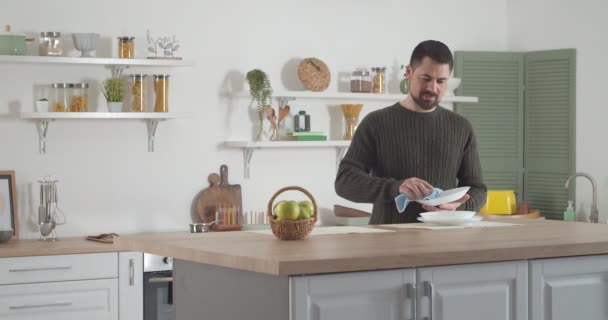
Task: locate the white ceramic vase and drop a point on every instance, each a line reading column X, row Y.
column 42, row 106
column 115, row 106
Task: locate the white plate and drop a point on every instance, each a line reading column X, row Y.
column 446, row 196
column 448, row 214
column 449, row 221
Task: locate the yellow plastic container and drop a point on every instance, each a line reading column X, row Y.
column 500, row 202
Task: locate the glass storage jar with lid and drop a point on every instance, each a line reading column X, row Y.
column 126, row 47
column 379, row 80
column 50, row 44
column 79, row 101
column 60, row 96
column 138, row 90
column 161, row 93
column 361, row 81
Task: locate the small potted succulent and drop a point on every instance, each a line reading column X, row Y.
column 114, row 91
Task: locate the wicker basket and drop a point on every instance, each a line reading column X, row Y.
column 292, row 229
column 314, row 74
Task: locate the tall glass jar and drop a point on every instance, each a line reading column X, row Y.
column 379, row 80
column 61, row 96
column 50, row 44
column 126, row 47
column 161, row 93
column 79, row 101
column 139, row 91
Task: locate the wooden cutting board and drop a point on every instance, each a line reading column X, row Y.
column 219, row 192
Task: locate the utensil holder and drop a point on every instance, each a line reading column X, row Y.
column 292, row 229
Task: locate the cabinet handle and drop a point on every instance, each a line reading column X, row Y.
column 131, row 272
column 40, row 269
column 34, row 306
column 411, row 292
column 429, row 292
column 160, row 279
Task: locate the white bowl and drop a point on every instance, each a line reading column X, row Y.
column 448, row 215
column 85, row 42
column 453, row 83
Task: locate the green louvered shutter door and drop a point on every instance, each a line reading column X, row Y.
column 496, row 78
column 550, row 100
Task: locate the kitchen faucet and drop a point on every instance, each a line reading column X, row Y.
column 594, row 212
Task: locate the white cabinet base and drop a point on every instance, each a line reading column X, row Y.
column 497, row 291
column 90, row 300
column 569, row 288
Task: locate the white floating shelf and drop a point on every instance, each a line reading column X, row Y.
column 341, row 146
column 287, row 144
column 292, row 95
column 44, row 118
column 101, row 115
column 93, row 61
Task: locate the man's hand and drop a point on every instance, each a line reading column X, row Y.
column 415, row 188
column 452, row 206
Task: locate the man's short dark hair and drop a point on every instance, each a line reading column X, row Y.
column 433, row 49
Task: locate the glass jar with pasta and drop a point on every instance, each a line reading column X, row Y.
column 60, row 97
column 161, row 93
column 139, row 91
column 126, row 47
column 79, row 100
column 379, row 80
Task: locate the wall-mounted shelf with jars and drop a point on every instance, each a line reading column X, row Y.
column 249, row 146
column 115, row 64
column 151, row 118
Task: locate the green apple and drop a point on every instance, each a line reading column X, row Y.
column 287, row 210
column 306, row 209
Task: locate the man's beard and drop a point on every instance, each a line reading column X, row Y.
column 424, row 104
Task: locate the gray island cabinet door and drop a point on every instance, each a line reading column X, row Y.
column 497, row 291
column 381, row 295
column 569, row 288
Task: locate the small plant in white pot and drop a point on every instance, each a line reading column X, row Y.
column 114, row 91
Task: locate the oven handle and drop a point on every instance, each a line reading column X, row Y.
column 160, row 280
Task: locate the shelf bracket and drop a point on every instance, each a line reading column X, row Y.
column 151, row 124
column 284, row 100
column 117, row 70
column 340, row 153
column 42, row 126
column 247, row 154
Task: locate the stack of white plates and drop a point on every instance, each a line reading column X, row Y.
column 450, row 218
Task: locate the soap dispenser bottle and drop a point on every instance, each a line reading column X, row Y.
column 569, row 214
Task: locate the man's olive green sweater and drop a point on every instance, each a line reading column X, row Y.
column 394, row 144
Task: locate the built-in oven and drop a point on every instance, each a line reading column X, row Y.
column 158, row 288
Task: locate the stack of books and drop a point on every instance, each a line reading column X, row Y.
column 307, row 136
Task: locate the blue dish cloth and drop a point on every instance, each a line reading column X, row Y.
column 402, row 201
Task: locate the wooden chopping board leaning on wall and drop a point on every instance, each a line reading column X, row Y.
column 219, row 193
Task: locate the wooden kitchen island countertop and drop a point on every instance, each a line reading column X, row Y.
column 403, row 248
column 33, row 247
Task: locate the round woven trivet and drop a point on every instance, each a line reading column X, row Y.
column 314, row 74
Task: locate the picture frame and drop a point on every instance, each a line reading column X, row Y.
column 9, row 218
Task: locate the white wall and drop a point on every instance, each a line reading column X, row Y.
column 555, row 24
column 109, row 183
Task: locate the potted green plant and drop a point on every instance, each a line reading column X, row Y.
column 261, row 94
column 114, row 91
